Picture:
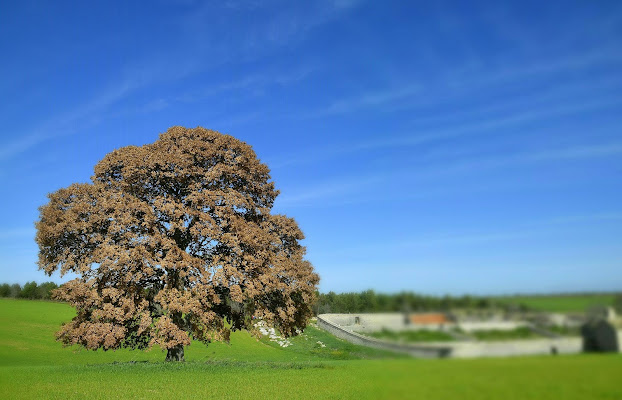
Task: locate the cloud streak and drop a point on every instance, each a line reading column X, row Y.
column 246, row 84
column 355, row 190
column 89, row 113
column 326, row 191
column 529, row 230
column 492, row 125
column 68, row 123
column 417, row 94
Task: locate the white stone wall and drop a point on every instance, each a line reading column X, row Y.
column 517, row 347
column 491, row 325
column 395, row 322
column 567, row 345
column 427, row 350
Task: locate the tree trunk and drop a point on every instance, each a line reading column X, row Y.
column 175, row 353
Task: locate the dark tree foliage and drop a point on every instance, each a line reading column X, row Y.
column 31, row 290
column 617, row 303
column 370, row 301
column 5, row 290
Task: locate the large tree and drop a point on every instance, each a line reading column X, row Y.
column 174, row 241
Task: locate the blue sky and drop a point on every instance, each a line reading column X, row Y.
column 441, row 147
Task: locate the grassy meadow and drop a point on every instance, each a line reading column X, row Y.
column 33, row 365
column 412, row 336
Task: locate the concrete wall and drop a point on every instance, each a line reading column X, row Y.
column 568, row 345
column 490, row 325
column 325, row 322
column 453, row 349
column 395, row 322
column 376, row 322
column 369, row 322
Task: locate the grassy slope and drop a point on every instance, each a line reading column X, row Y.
column 32, row 365
column 27, row 328
column 560, row 303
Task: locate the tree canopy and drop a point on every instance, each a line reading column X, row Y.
column 174, row 241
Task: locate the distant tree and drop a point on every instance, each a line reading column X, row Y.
column 617, row 303
column 44, row 290
column 172, row 241
column 29, row 291
column 369, row 301
column 5, row 290
column 382, row 302
column 16, row 290
column 316, row 303
column 483, row 303
column 330, row 303
column 404, row 302
column 467, row 301
column 446, row 302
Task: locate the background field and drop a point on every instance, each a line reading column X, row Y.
column 560, row 303
column 33, row 365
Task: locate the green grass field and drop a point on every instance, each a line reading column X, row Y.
column 33, row 365
column 560, row 303
column 412, row 336
column 514, row 334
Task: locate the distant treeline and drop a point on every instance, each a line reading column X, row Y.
column 30, row 290
column 370, row 301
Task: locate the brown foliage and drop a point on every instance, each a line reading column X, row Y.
column 172, row 239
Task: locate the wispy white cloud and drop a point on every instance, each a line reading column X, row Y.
column 68, row 123
column 474, row 165
column 539, row 104
column 573, row 153
column 465, row 83
column 520, row 34
column 493, row 124
column 222, row 123
column 530, row 230
column 356, row 190
column 326, row 191
column 153, row 106
column 568, row 154
column 442, row 134
column 345, row 4
column 22, row 144
column 437, row 239
column 366, row 100
column 463, row 239
column 254, row 83
column 268, row 25
column 287, row 27
column 580, row 219
column 541, row 100
column 92, row 111
column 547, row 68
column 164, row 67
